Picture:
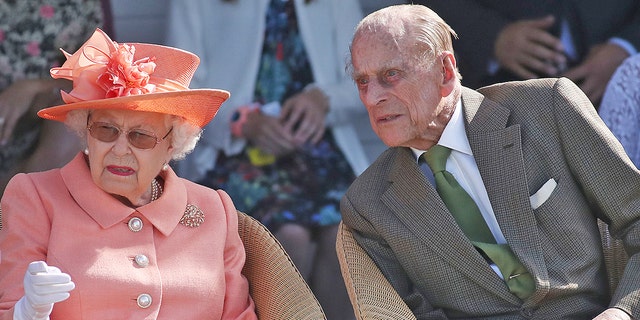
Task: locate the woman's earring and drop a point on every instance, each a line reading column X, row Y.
column 86, row 151
column 165, row 167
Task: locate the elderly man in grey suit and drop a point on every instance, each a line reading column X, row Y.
column 534, row 158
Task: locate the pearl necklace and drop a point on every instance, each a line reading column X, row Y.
column 156, row 189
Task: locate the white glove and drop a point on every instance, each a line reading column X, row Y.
column 43, row 286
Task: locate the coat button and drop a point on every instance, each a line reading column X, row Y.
column 135, row 224
column 144, row 300
column 526, row 312
column 141, row 260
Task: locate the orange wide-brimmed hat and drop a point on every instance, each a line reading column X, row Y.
column 134, row 76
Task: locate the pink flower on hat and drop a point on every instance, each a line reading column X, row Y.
column 125, row 77
column 103, row 69
column 108, row 75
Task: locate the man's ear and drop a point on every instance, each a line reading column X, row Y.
column 449, row 74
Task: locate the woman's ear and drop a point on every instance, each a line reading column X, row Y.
column 169, row 155
column 449, row 73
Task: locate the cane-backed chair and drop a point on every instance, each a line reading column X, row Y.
column 371, row 294
column 615, row 258
column 276, row 286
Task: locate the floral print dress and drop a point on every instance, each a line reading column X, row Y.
column 302, row 188
column 31, row 35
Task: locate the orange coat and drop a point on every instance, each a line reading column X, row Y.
column 63, row 218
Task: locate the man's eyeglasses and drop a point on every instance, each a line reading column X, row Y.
column 138, row 138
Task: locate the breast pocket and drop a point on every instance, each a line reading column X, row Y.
column 542, row 195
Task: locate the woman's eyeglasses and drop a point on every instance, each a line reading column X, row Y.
column 138, row 138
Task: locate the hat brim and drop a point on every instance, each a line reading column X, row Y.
column 197, row 106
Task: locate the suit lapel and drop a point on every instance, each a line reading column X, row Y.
column 497, row 149
column 418, row 205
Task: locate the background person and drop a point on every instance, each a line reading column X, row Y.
column 583, row 40
column 521, row 171
column 286, row 148
column 115, row 233
column 31, row 35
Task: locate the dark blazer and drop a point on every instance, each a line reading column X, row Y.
column 522, row 134
column 478, row 22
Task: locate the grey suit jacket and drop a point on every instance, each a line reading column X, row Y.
column 522, row 134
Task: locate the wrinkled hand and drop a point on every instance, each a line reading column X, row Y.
column 527, row 49
column 593, row 74
column 613, row 314
column 304, row 116
column 268, row 134
column 43, row 286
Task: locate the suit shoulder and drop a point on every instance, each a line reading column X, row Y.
column 507, row 90
column 535, row 95
column 524, row 88
column 376, row 174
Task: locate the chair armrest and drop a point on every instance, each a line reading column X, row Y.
column 277, row 288
column 615, row 257
column 371, row 294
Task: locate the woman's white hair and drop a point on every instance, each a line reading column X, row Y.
column 184, row 135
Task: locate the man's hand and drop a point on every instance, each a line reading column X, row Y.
column 527, row 49
column 593, row 74
column 27, row 96
column 15, row 101
column 613, row 314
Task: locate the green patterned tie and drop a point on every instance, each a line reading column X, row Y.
column 468, row 216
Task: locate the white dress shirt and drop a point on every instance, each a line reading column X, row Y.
column 462, row 165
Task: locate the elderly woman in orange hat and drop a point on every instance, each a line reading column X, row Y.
column 115, row 233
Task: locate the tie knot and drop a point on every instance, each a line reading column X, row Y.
column 436, row 157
